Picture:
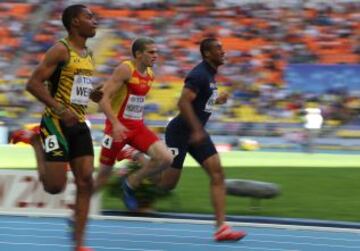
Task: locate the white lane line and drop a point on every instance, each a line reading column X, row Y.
column 306, row 244
column 31, row 229
column 296, row 236
column 33, row 244
column 222, row 246
column 171, row 229
column 120, row 228
column 121, row 231
column 188, row 221
column 177, row 229
column 173, row 236
column 68, row 246
column 217, row 245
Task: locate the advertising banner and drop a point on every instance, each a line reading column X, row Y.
column 22, row 192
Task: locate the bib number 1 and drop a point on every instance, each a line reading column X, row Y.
column 174, row 151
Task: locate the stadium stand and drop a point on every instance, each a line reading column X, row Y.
column 261, row 40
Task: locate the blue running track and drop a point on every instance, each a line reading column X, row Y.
column 18, row 233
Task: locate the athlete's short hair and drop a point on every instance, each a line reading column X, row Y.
column 139, row 44
column 205, row 45
column 71, row 12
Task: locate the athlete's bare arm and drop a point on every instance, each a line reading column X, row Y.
column 54, row 56
column 119, row 77
column 188, row 113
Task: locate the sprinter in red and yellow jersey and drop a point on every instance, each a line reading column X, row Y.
column 123, row 104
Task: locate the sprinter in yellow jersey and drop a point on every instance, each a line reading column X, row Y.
column 64, row 136
column 71, row 83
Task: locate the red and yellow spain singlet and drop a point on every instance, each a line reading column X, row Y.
column 71, row 83
column 128, row 103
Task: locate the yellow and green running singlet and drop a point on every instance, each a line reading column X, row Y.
column 71, row 82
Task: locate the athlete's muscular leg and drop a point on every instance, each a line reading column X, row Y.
column 160, row 159
column 52, row 174
column 169, row 178
column 166, row 179
column 35, row 142
column 54, row 179
column 82, row 168
column 215, row 171
column 102, row 177
column 107, row 161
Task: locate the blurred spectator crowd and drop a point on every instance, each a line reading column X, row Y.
column 260, row 40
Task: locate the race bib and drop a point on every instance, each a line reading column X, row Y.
column 134, row 107
column 81, row 89
column 210, row 104
column 174, row 151
column 107, row 141
column 51, row 143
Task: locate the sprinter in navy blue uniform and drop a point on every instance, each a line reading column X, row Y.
column 186, row 132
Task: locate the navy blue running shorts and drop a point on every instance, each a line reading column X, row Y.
column 178, row 142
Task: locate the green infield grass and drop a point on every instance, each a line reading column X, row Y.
column 317, row 193
column 317, row 186
column 13, row 156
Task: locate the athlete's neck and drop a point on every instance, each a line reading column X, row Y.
column 140, row 67
column 212, row 64
column 78, row 43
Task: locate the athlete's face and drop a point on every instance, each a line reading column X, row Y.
column 149, row 55
column 216, row 53
column 86, row 23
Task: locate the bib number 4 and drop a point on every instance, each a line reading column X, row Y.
column 107, row 141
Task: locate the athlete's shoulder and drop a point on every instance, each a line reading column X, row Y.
column 58, row 52
column 197, row 69
column 128, row 63
column 123, row 71
column 197, row 72
column 62, row 45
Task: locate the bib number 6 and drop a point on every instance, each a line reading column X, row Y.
column 51, row 143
